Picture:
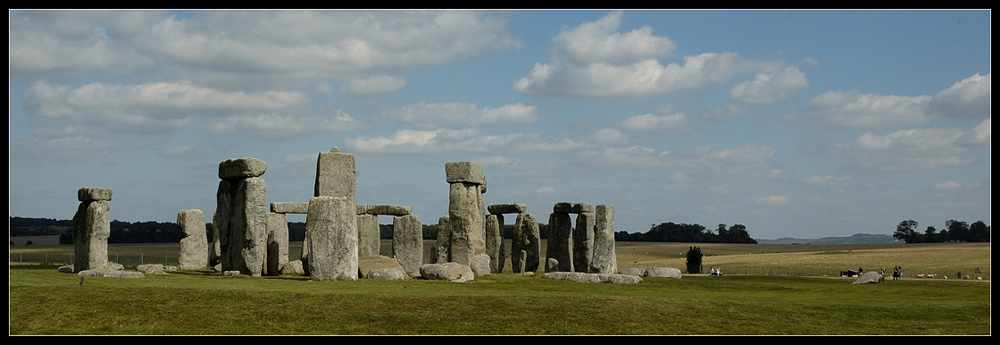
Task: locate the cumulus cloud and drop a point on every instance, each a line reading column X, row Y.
column 74, row 148
column 373, row 86
column 280, row 127
column 835, row 184
column 771, row 200
column 297, row 44
column 726, row 112
column 151, row 107
column 768, row 88
column 624, row 157
column 966, row 99
column 465, row 140
column 912, row 149
column 666, row 120
column 459, row 115
column 183, row 151
column 592, row 60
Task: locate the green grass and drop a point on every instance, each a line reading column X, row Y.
column 43, row 301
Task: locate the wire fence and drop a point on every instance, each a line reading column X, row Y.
column 58, row 258
column 912, row 273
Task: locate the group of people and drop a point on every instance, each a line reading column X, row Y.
column 897, row 273
column 715, row 271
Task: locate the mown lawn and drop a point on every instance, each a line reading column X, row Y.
column 43, row 301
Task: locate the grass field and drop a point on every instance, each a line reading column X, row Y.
column 43, row 301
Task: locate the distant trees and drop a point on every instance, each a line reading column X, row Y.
column 954, row 231
column 672, row 232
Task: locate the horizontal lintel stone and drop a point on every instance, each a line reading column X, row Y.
column 385, row 210
column 290, row 207
column 94, row 194
column 572, row 207
column 467, row 172
column 236, row 168
column 507, row 208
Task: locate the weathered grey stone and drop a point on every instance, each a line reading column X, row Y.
column 440, row 251
column 240, row 168
column 215, row 252
column 595, row 277
column 465, row 218
column 604, row 259
column 450, row 271
column 66, row 269
column 502, row 259
column 194, row 244
column 230, row 273
column 635, row 271
column 293, row 268
column 480, row 265
column 385, row 210
column 290, row 207
column 93, row 194
column 525, row 238
column 507, row 208
column 572, row 207
column 91, row 229
column 560, row 242
column 381, row 268
column 870, row 277
column 583, row 242
column 277, row 243
column 242, row 219
column 335, row 175
column 333, row 239
column 110, row 273
column 662, row 272
column 494, row 242
column 551, row 265
column 369, row 241
column 464, row 172
column 151, row 268
column 408, row 242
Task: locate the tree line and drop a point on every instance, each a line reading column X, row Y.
column 672, row 232
column 954, row 231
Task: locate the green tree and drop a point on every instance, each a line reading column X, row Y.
column 694, row 256
column 906, row 231
column 979, row 232
column 957, row 231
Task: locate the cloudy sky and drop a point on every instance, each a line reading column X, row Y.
column 793, row 123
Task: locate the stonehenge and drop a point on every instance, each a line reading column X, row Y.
column 525, row 237
column 91, row 229
column 242, row 215
column 332, row 235
column 466, row 211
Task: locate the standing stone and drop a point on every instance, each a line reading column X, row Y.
column 242, row 207
column 368, row 235
column 468, row 237
column 194, row 245
column 277, row 243
column 335, row 175
column 442, row 247
column 525, row 238
column 583, row 242
column 91, row 229
column 560, row 243
column 408, row 242
column 333, row 239
column 494, row 242
column 604, row 241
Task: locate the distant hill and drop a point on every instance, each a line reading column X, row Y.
column 853, row 239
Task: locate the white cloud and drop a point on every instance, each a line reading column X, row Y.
column 910, row 150
column 768, row 88
column 727, row 112
column 835, row 184
column 624, row 157
column 457, row 115
column 465, row 140
column 74, row 148
column 596, row 42
column 950, row 185
column 183, row 151
column 280, row 127
column 967, row 99
column 373, row 86
column 649, row 122
column 771, row 200
column 592, row 60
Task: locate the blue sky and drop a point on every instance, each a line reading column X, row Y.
column 793, row 123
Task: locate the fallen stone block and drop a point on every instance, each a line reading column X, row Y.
column 380, row 268
column 869, row 278
column 662, row 272
column 631, row 271
column 595, row 277
column 450, row 271
column 110, row 273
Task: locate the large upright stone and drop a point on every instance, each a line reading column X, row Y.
column 560, row 242
column 494, row 241
column 333, row 239
column 408, row 242
column 242, row 208
column 369, row 241
column 468, row 235
column 604, row 241
column 277, row 243
column 194, row 244
column 335, row 175
column 583, row 242
column 525, row 238
column 215, row 252
column 91, row 229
